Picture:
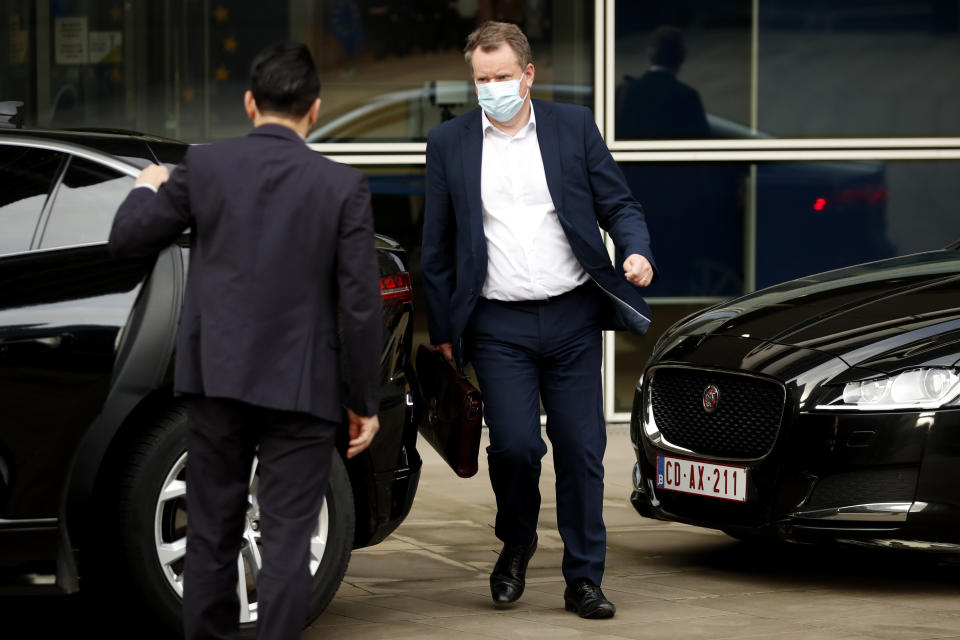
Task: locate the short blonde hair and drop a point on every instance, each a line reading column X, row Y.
column 492, row 35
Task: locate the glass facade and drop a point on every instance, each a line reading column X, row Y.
column 705, row 205
column 178, row 68
column 824, row 68
column 765, row 139
column 837, row 68
column 828, row 215
column 393, row 70
column 693, row 85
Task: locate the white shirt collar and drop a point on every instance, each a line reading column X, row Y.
column 488, row 124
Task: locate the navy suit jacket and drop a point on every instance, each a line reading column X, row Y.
column 587, row 188
column 281, row 237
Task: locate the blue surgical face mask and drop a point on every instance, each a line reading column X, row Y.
column 500, row 100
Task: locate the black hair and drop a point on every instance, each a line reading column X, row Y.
column 284, row 80
column 667, row 48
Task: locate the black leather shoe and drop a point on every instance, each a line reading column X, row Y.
column 507, row 579
column 587, row 600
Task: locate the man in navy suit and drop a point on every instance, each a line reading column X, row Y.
column 519, row 282
column 657, row 104
column 281, row 238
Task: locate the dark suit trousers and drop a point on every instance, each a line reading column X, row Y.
column 294, row 454
column 524, row 352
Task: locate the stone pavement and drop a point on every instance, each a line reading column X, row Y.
column 669, row 581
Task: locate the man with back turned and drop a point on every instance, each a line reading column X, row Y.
column 281, row 238
column 519, row 282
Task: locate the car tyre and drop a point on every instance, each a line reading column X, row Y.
column 151, row 509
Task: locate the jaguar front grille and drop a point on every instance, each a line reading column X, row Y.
column 743, row 423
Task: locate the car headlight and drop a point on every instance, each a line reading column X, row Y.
column 927, row 388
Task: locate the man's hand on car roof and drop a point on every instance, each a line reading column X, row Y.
column 153, row 176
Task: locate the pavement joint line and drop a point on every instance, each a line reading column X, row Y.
column 355, row 585
column 438, row 523
column 450, row 561
column 348, row 621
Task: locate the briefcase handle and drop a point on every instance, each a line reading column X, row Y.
column 473, row 410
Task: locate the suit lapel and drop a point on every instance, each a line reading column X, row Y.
column 548, row 135
column 471, row 149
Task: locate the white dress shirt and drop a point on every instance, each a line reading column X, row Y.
column 528, row 255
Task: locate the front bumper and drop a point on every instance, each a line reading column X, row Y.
column 890, row 479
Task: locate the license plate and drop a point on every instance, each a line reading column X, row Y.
column 702, row 478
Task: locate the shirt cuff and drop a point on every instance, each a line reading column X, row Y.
column 147, row 186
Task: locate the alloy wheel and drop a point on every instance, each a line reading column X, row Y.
column 170, row 537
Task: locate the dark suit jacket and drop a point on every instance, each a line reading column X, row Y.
column 587, row 187
column 657, row 105
column 281, row 237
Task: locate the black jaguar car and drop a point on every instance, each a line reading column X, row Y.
column 92, row 440
column 825, row 408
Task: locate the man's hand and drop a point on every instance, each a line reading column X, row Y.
column 362, row 429
column 637, row 270
column 154, row 176
column 446, row 348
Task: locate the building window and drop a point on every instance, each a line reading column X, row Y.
column 695, row 213
column 813, row 217
column 391, row 71
column 682, row 69
column 848, row 68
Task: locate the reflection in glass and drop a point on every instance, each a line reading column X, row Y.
column 17, row 61
column 85, row 204
column 676, row 60
column 695, row 215
column 658, row 104
column 398, row 71
column 813, row 217
column 391, row 70
column 26, row 176
column 859, row 69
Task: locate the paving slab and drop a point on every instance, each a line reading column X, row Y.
column 430, row 579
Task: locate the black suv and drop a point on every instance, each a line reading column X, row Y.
column 92, row 440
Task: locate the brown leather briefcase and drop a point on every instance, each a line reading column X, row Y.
column 451, row 411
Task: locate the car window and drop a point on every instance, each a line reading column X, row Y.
column 85, row 204
column 26, row 176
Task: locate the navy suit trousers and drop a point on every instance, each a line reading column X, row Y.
column 525, row 352
column 294, row 451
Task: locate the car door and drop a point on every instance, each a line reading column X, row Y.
column 63, row 305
